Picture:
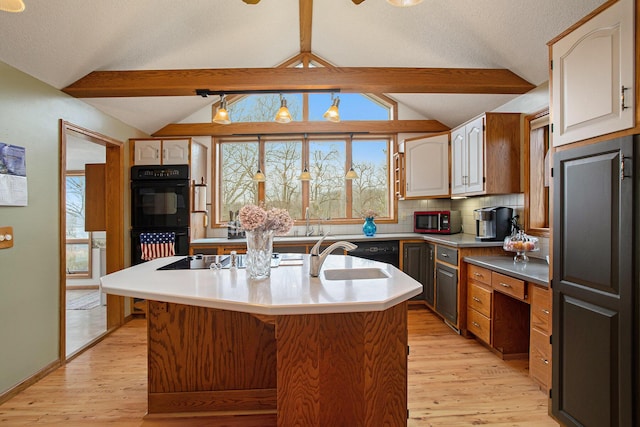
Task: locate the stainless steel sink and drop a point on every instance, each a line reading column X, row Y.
column 355, row 274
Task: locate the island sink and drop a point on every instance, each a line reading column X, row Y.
column 355, row 274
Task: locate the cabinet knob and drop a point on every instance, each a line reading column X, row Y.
column 476, row 324
column 545, row 311
column 545, row 361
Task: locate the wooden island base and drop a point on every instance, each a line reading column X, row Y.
column 311, row 369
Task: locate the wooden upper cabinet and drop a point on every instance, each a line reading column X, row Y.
column 161, row 152
column 427, row 166
column 592, row 76
column 95, row 197
column 485, row 155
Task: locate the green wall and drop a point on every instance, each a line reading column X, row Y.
column 30, row 111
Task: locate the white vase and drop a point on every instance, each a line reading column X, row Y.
column 259, row 252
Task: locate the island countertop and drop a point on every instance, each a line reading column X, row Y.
column 289, row 290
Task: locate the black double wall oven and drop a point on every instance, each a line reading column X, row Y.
column 160, row 203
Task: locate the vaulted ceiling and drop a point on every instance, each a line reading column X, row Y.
column 484, row 52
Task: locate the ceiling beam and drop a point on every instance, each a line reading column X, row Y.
column 100, row 84
column 272, row 128
column 306, row 14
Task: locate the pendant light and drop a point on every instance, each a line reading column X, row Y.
column 259, row 175
column 305, row 175
column 12, row 5
column 222, row 115
column 332, row 114
column 351, row 174
column 404, row 3
column 283, row 115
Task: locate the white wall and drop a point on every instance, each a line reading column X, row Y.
column 29, row 280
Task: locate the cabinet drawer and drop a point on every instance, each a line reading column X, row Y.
column 479, row 299
column 540, row 308
column 508, row 285
column 448, row 255
column 540, row 358
column 479, row 325
column 479, row 274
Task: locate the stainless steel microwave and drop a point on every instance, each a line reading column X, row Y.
column 437, row 222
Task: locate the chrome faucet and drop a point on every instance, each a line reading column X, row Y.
column 308, row 231
column 317, row 258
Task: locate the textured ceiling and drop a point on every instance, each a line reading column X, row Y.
column 61, row 41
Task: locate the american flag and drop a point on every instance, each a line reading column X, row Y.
column 157, row 245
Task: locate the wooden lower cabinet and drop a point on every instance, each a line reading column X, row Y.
column 513, row 317
column 540, row 346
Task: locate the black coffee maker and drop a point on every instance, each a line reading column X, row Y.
column 493, row 224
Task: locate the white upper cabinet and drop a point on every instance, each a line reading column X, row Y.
column 592, row 77
column 467, row 150
column 161, row 152
column 427, row 166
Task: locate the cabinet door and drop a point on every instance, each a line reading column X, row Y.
column 427, row 166
column 593, row 285
column 175, row 152
column 429, row 288
column 590, row 67
column 413, row 263
column 447, row 292
column 458, row 161
column 474, row 132
column 147, row 152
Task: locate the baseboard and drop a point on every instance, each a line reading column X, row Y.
column 29, row 381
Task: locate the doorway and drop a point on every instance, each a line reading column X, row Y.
column 91, row 204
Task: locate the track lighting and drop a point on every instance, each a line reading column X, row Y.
column 332, row 114
column 12, row 5
column 404, row 3
column 222, row 115
column 283, row 115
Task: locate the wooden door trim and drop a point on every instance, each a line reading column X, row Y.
column 115, row 223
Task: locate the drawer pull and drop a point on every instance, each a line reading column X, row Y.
column 476, row 324
column 545, row 311
column 504, row 285
column 477, row 274
column 545, row 361
column 476, row 299
column 444, row 255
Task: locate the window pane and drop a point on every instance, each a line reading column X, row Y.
column 327, row 195
column 77, row 258
column 263, row 108
column 353, row 106
column 238, row 164
column 371, row 188
column 283, row 164
column 75, row 195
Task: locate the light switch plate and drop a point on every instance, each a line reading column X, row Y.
column 6, row 237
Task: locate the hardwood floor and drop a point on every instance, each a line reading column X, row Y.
column 453, row 381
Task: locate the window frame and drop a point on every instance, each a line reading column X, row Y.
column 75, row 241
column 306, row 139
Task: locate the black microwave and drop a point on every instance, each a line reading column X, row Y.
column 437, row 222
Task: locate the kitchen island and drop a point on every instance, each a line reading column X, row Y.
column 312, row 350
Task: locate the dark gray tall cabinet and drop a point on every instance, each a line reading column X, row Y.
column 595, row 285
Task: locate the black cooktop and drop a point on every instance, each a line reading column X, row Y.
column 200, row 262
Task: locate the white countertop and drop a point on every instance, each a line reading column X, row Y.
column 289, row 290
column 457, row 240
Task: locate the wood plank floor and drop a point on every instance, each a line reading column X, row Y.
column 453, row 381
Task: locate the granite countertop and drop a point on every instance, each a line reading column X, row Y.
column 456, row 240
column 289, row 290
column 534, row 271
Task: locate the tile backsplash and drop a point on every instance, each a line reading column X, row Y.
column 405, row 217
